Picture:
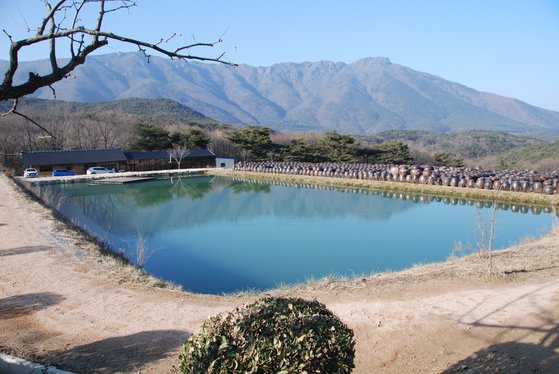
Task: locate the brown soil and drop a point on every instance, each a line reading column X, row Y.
column 62, row 302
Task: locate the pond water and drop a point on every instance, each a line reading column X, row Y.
column 218, row 235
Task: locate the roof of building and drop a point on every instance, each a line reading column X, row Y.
column 146, row 155
column 86, row 156
column 199, row 153
column 150, row 155
column 73, row 157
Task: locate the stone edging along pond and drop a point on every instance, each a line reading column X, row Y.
column 443, row 191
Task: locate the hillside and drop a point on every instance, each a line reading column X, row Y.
column 364, row 97
column 470, row 144
column 158, row 110
column 538, row 156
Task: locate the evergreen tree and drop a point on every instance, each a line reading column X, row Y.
column 457, row 162
column 442, row 158
column 445, row 159
column 338, row 147
column 369, row 154
column 147, row 137
column 300, row 150
column 394, row 153
column 193, row 138
column 255, row 142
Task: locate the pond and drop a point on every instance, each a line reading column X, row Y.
column 219, row 235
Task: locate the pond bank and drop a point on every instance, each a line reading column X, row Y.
column 63, row 303
column 128, row 174
column 459, row 192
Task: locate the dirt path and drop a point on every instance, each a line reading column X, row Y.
column 61, row 303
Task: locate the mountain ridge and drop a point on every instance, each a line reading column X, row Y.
column 364, row 97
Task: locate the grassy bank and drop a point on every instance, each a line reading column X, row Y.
column 422, row 189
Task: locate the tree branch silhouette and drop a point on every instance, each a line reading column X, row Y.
column 63, row 23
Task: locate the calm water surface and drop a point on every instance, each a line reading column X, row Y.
column 216, row 234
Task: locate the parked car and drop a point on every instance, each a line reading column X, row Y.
column 30, row 173
column 62, row 172
column 99, row 170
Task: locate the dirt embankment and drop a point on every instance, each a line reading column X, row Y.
column 62, row 302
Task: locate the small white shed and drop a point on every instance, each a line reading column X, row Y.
column 224, row 162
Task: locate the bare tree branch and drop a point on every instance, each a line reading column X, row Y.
column 53, row 63
column 162, row 40
column 75, row 20
column 35, row 81
column 8, row 35
column 15, row 112
column 33, row 122
column 50, row 15
column 53, row 91
column 80, row 48
column 14, row 107
column 124, row 4
column 99, row 21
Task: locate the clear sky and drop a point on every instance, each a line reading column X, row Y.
column 507, row 47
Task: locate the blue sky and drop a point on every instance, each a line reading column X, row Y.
column 506, row 47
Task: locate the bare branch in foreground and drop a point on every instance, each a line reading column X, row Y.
column 82, row 42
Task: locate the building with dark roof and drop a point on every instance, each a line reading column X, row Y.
column 78, row 160
column 159, row 160
column 147, row 160
column 114, row 158
column 198, row 158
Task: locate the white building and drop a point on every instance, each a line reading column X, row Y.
column 224, row 162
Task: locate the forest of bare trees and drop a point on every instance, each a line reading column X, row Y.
column 87, row 130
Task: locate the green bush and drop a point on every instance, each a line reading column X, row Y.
column 272, row 335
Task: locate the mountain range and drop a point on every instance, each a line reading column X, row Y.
column 364, row 97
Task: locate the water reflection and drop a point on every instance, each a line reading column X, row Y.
column 410, row 196
column 240, row 186
column 189, row 201
column 195, row 188
column 154, row 194
column 164, row 204
column 217, row 234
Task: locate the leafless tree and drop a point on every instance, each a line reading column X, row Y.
column 177, row 154
column 10, row 144
column 222, row 146
column 486, row 229
column 66, row 22
column 495, row 200
column 108, row 132
column 142, row 253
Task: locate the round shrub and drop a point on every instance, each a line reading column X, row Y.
column 272, row 335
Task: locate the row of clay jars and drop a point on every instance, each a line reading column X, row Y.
column 462, row 177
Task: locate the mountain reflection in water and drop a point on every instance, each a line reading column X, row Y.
column 218, row 234
column 184, row 202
